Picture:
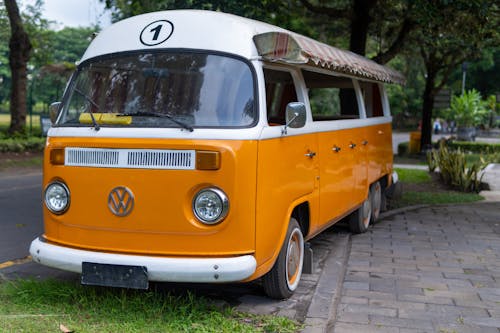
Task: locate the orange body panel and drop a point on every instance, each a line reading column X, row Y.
column 343, row 173
column 162, row 222
column 285, row 178
column 332, row 183
column 379, row 153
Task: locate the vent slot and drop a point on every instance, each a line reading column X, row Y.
column 130, row 158
column 161, row 159
column 91, row 157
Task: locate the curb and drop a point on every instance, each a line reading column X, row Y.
column 322, row 311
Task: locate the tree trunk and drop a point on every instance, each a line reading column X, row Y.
column 360, row 22
column 428, row 103
column 20, row 49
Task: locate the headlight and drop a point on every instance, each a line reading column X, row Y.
column 210, row 205
column 57, row 197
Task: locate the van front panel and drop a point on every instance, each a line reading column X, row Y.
column 162, row 221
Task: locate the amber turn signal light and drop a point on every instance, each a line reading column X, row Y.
column 57, row 156
column 207, row 160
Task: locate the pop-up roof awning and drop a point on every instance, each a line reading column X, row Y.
column 293, row 48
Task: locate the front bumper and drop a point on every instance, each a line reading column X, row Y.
column 227, row 269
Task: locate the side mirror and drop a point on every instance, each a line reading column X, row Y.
column 295, row 115
column 54, row 111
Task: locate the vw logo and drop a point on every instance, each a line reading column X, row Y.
column 120, row 201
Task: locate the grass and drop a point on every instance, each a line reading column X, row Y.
column 35, row 121
column 419, row 188
column 413, row 176
column 410, row 198
column 41, row 306
column 27, row 161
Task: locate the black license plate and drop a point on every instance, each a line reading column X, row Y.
column 122, row 276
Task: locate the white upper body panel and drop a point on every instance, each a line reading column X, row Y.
column 189, row 29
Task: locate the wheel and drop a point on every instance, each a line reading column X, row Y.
column 376, row 200
column 360, row 219
column 282, row 280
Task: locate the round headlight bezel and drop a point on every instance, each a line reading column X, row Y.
column 47, row 200
column 224, row 205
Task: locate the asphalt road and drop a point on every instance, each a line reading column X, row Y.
column 20, row 212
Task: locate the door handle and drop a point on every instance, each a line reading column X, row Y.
column 310, row 154
column 352, row 145
column 336, row 149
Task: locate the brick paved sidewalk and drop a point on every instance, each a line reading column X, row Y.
column 434, row 269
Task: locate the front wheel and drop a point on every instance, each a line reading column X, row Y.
column 282, row 280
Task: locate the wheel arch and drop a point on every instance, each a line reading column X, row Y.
column 301, row 213
column 300, row 210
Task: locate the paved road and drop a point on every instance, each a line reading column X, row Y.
column 433, row 269
column 20, row 212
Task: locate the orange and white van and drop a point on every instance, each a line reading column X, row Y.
column 198, row 146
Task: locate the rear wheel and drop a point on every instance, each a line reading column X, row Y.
column 359, row 221
column 376, row 200
column 282, row 280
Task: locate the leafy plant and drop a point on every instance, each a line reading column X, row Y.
column 468, row 109
column 18, row 145
column 454, row 169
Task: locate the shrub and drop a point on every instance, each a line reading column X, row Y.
column 18, row 145
column 475, row 147
column 454, row 169
column 468, row 109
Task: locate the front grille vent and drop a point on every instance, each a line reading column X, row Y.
column 131, row 158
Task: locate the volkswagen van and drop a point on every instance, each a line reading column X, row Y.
column 197, row 146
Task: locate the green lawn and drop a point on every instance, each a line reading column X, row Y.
column 413, row 176
column 410, row 198
column 419, row 188
column 41, row 306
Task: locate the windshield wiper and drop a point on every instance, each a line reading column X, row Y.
column 159, row 115
column 91, row 101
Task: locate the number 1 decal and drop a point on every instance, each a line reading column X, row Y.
column 156, row 32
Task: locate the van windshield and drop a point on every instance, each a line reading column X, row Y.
column 161, row 89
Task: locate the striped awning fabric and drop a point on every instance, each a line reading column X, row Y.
column 293, row 48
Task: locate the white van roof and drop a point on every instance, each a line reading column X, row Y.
column 192, row 29
column 216, row 31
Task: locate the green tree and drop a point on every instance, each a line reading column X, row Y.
column 67, row 47
column 445, row 43
column 20, row 51
column 482, row 74
column 4, row 56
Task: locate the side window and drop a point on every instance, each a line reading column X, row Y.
column 280, row 91
column 373, row 100
column 331, row 97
